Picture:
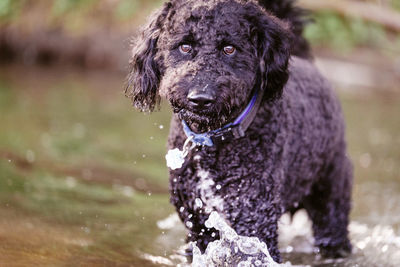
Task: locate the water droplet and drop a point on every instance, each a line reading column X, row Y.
column 218, row 187
column 30, row 156
column 181, row 209
column 161, row 126
column 198, row 203
column 248, row 245
column 289, row 249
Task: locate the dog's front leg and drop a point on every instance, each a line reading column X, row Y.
column 259, row 218
column 254, row 207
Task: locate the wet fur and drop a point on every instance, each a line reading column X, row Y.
column 294, row 152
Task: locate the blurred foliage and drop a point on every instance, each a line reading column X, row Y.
column 75, row 16
column 61, row 7
column 126, row 8
column 333, row 30
column 396, row 4
column 82, row 16
column 9, row 9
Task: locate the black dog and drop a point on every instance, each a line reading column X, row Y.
column 273, row 132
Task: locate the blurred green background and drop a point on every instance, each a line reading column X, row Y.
column 342, row 24
column 83, row 180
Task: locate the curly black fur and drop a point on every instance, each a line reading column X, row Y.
column 297, row 18
column 293, row 154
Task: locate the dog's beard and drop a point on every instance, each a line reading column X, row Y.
column 212, row 118
column 201, row 123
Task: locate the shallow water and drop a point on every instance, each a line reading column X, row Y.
column 232, row 249
column 83, row 178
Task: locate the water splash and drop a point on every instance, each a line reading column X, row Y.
column 374, row 245
column 232, row 249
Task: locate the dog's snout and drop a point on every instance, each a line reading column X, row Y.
column 199, row 99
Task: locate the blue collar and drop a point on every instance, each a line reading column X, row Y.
column 233, row 130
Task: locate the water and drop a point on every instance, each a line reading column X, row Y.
column 75, row 188
column 232, row 249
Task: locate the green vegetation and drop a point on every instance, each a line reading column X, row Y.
column 330, row 29
column 341, row 33
column 396, row 4
column 10, row 9
column 79, row 12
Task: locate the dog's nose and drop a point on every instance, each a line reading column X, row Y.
column 200, row 99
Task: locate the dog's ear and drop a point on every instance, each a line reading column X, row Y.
column 273, row 49
column 144, row 67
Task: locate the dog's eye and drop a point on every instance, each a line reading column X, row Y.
column 229, row 50
column 185, row 48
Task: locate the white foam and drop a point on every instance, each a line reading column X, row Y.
column 207, row 196
column 232, row 249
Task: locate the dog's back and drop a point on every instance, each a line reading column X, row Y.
column 315, row 131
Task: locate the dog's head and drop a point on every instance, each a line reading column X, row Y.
column 206, row 57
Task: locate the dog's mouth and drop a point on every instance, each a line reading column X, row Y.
column 207, row 118
column 202, row 122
